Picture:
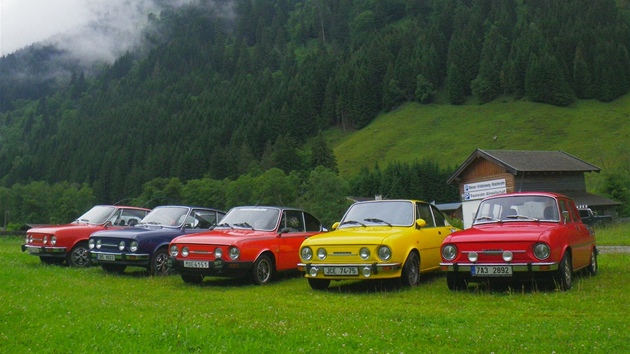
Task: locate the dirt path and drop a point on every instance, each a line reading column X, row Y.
column 613, row 249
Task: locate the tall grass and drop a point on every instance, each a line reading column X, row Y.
column 51, row 309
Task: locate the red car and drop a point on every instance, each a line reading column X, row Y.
column 521, row 236
column 255, row 241
column 58, row 243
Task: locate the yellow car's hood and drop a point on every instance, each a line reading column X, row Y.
column 355, row 236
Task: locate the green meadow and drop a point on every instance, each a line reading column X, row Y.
column 52, row 309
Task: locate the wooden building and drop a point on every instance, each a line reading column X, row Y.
column 489, row 172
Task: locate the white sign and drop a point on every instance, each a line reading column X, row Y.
column 480, row 190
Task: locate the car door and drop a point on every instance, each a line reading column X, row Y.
column 291, row 233
column 431, row 235
column 579, row 236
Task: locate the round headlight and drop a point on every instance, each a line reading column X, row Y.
column 364, row 253
column 507, row 256
column 133, row 246
column 234, row 253
column 98, row 244
column 174, row 250
column 185, row 251
column 541, row 251
column 26, row 239
column 449, row 252
column 91, row 243
column 121, row 245
column 45, row 239
column 321, row 253
column 384, row 253
column 53, row 240
column 218, row 253
column 313, row 271
column 473, row 256
column 306, row 253
column 366, row 271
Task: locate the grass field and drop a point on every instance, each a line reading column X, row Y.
column 51, row 309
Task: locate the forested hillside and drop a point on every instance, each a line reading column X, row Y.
column 222, row 89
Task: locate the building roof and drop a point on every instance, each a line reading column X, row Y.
column 515, row 161
column 591, row 200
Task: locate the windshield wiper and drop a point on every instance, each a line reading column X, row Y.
column 521, row 217
column 244, row 224
column 223, row 225
column 352, row 222
column 378, row 221
column 487, row 218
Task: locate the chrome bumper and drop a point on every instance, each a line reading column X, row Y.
column 516, row 267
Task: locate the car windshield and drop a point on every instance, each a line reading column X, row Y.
column 388, row 213
column 517, row 208
column 97, row 215
column 166, row 216
column 255, row 218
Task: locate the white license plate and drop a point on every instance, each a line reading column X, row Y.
column 196, row 264
column 341, row 271
column 105, row 257
column 34, row 250
column 491, row 271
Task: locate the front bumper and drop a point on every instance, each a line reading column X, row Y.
column 363, row 270
column 217, row 267
column 48, row 251
column 140, row 259
column 516, row 267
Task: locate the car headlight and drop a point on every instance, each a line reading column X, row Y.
column 174, row 250
column 98, row 244
column 91, row 243
column 542, row 251
column 218, row 253
column 121, row 245
column 449, row 252
column 384, row 253
column 322, row 254
column 234, row 253
column 53, row 240
column 133, row 246
column 26, row 239
column 364, row 253
column 185, row 251
column 306, row 253
column 45, row 239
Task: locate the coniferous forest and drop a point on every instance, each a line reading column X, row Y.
column 228, row 92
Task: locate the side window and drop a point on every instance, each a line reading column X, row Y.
column 564, row 207
column 204, row 219
column 292, row 220
column 440, row 220
column 312, row 224
column 424, row 212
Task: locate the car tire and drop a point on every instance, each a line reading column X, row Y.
column 455, row 281
column 411, row 270
column 563, row 277
column 114, row 268
column 51, row 260
column 192, row 278
column 318, row 284
column 159, row 263
column 593, row 266
column 263, row 270
column 79, row 256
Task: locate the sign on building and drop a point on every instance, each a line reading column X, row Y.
column 480, row 190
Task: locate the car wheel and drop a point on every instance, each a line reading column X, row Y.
column 79, row 256
column 411, row 270
column 159, row 263
column 114, row 268
column 192, row 278
column 318, row 284
column 563, row 277
column 593, row 267
column 263, row 270
column 455, row 281
column 51, row 260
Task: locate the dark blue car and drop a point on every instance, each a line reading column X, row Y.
column 146, row 244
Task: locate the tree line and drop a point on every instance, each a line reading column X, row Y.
column 217, row 97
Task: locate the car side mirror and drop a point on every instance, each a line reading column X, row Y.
column 565, row 216
column 420, row 223
column 335, row 226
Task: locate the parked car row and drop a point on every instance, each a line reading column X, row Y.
column 516, row 236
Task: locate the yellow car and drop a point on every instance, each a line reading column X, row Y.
column 380, row 239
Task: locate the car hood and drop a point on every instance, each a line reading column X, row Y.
column 60, row 228
column 508, row 231
column 222, row 236
column 355, row 236
column 138, row 233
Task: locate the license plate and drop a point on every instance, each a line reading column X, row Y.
column 341, row 271
column 105, row 257
column 196, row 264
column 491, row 271
column 34, row 250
